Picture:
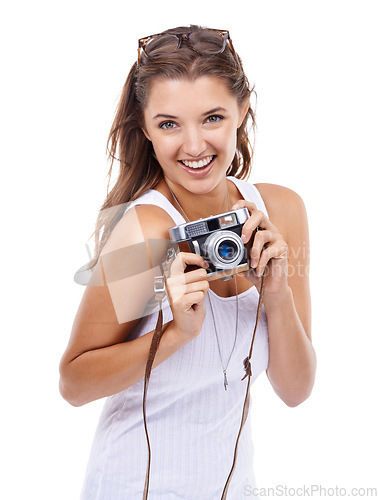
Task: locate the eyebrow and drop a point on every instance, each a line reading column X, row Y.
column 171, row 117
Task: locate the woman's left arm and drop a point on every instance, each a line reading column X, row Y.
column 281, row 247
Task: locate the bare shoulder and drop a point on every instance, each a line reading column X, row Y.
column 285, row 207
column 139, row 224
column 154, row 219
column 136, row 248
column 278, row 198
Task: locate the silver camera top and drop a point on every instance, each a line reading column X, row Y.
column 208, row 224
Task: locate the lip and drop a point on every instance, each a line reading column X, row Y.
column 198, row 172
column 197, row 159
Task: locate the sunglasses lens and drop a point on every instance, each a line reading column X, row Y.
column 160, row 45
column 207, row 42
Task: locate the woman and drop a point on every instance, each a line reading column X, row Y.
column 180, row 133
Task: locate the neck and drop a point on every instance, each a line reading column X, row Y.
column 199, row 205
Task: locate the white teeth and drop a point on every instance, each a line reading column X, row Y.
column 197, row 164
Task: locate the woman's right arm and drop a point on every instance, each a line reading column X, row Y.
column 98, row 362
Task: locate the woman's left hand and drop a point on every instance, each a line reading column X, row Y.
column 268, row 249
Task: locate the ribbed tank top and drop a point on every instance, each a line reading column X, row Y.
column 192, row 421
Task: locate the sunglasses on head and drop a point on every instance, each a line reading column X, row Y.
column 205, row 42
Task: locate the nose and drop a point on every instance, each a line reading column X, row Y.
column 194, row 143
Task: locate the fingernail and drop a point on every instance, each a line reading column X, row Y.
column 234, row 207
column 258, row 273
column 253, row 263
column 244, row 238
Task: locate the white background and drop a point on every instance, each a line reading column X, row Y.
column 314, row 67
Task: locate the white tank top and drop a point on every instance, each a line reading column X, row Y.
column 192, row 421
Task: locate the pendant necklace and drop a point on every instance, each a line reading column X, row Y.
column 224, row 368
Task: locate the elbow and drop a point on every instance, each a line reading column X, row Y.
column 295, row 401
column 298, row 388
column 294, row 393
column 69, row 389
column 68, row 395
column 296, row 397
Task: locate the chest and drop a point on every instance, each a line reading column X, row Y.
column 228, row 288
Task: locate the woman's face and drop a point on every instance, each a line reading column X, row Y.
column 192, row 126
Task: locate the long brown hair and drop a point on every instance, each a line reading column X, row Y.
column 139, row 170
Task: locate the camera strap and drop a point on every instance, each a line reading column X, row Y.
column 159, row 293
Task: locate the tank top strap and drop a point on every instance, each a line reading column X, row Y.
column 250, row 193
column 153, row 197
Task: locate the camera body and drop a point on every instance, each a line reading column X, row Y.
column 218, row 240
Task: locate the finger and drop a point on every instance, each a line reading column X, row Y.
column 257, row 219
column 251, row 207
column 196, row 275
column 278, row 251
column 199, row 286
column 183, row 259
column 261, row 238
column 193, row 298
column 245, row 203
column 182, row 279
column 177, row 289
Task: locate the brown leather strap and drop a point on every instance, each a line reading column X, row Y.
column 247, row 367
column 151, row 356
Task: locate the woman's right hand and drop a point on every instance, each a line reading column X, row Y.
column 187, row 292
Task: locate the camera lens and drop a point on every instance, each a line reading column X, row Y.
column 224, row 249
column 227, row 250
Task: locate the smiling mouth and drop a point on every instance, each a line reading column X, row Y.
column 198, row 165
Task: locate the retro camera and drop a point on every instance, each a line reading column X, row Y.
column 218, row 240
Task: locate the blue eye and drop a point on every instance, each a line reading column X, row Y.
column 214, row 118
column 167, row 125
